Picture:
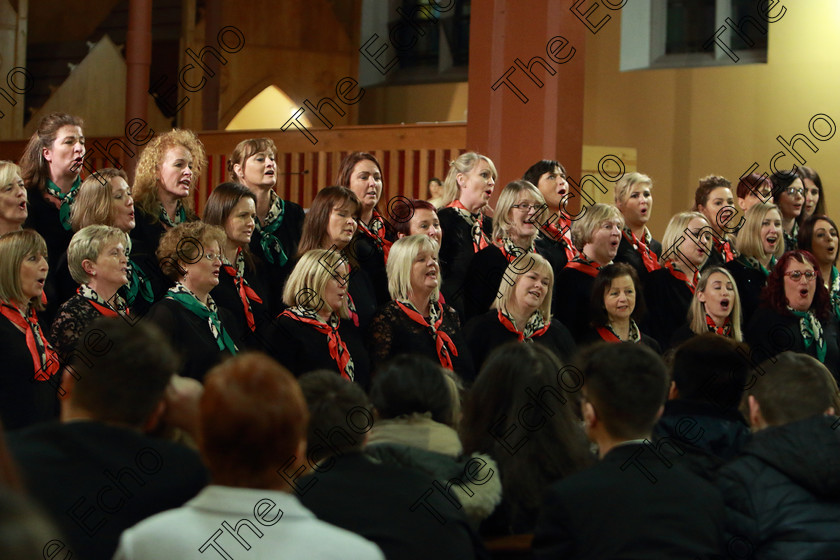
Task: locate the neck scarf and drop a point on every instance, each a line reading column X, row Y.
column 584, row 265
column 724, row 248
column 270, row 244
column 338, row 349
column 643, row 247
column 511, row 251
column 180, row 215
column 66, row 199
column 672, row 267
column 45, row 362
column 608, row 334
column 559, row 230
column 443, row 343
column 479, row 238
column 138, row 284
column 792, row 238
column 724, row 330
column 754, row 263
column 185, row 297
column 536, row 325
column 376, row 231
column 114, row 308
column 834, row 291
column 246, row 293
column 812, row 332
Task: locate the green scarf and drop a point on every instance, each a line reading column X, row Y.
column 188, row 300
column 812, row 332
column 269, row 243
column 66, row 200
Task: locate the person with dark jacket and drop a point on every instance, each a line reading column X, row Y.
column 400, row 515
column 782, row 493
column 701, row 421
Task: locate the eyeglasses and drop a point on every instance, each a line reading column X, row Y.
column 527, row 207
column 793, row 191
column 796, row 275
column 212, row 256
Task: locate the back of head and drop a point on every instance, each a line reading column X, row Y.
column 253, row 418
column 25, row 532
column 121, row 370
column 626, row 384
column 413, row 384
column 335, row 405
column 711, row 369
column 792, row 387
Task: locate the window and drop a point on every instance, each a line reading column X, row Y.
column 686, row 33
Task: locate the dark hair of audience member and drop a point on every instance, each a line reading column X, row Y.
column 626, row 384
column 773, row 294
column 602, row 283
column 333, row 404
column 25, row 530
column 121, row 370
column 500, row 402
column 402, row 214
column 709, row 368
column 533, row 174
column 792, row 387
column 252, row 419
column 413, row 384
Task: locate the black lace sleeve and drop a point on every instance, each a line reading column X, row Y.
column 381, row 334
column 70, row 321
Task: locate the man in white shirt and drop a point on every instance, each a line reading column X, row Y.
column 252, row 436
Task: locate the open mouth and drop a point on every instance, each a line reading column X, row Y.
column 270, row 172
column 643, row 211
column 803, row 292
column 771, row 240
column 724, row 304
column 22, row 205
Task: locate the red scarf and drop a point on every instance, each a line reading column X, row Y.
column 680, row 275
column 725, row 330
column 556, row 233
column 44, row 359
column 480, row 239
column 246, row 293
column 376, row 231
column 648, row 256
column 338, row 350
column 519, row 334
column 443, row 343
column 725, row 249
column 584, row 265
column 607, row 334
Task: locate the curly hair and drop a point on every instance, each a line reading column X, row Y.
column 773, row 294
column 706, row 186
column 145, row 189
column 185, row 244
column 35, row 170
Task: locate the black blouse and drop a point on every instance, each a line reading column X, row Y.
column 227, row 297
column 750, row 282
column 485, row 333
column 301, row 348
column 555, row 253
column 393, row 333
column 72, row 319
column 667, row 299
column 371, row 258
column 456, row 253
column 574, row 291
column 627, row 254
column 273, row 275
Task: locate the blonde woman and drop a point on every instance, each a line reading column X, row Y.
column 715, row 308
column 634, row 200
column 13, row 206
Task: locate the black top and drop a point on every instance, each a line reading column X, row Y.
column 389, row 518
column 555, row 253
column 750, row 282
column 485, row 333
column 301, row 348
column 72, row 319
column 627, row 254
column 23, row 401
column 668, row 300
column 769, row 333
column 482, row 281
column 191, row 337
column 371, row 258
column 361, row 290
column 96, row 480
column 456, row 253
column 574, row 292
column 591, row 336
column 392, row 333
column 273, row 275
column 227, row 297
column 145, row 237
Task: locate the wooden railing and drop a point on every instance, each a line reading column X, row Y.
column 409, row 155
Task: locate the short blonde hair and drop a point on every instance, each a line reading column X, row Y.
column 516, row 270
column 87, row 244
column 14, row 247
column 8, row 170
column 676, row 230
column 584, row 227
column 145, row 187
column 697, row 311
column 403, row 253
column 749, row 241
column 462, row 164
column 185, row 244
column 501, row 218
column 626, row 184
column 307, row 282
column 94, row 203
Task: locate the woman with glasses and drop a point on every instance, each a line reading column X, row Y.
column 514, row 233
column 795, row 314
column 638, row 248
column 789, row 196
column 190, row 255
column 597, row 235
